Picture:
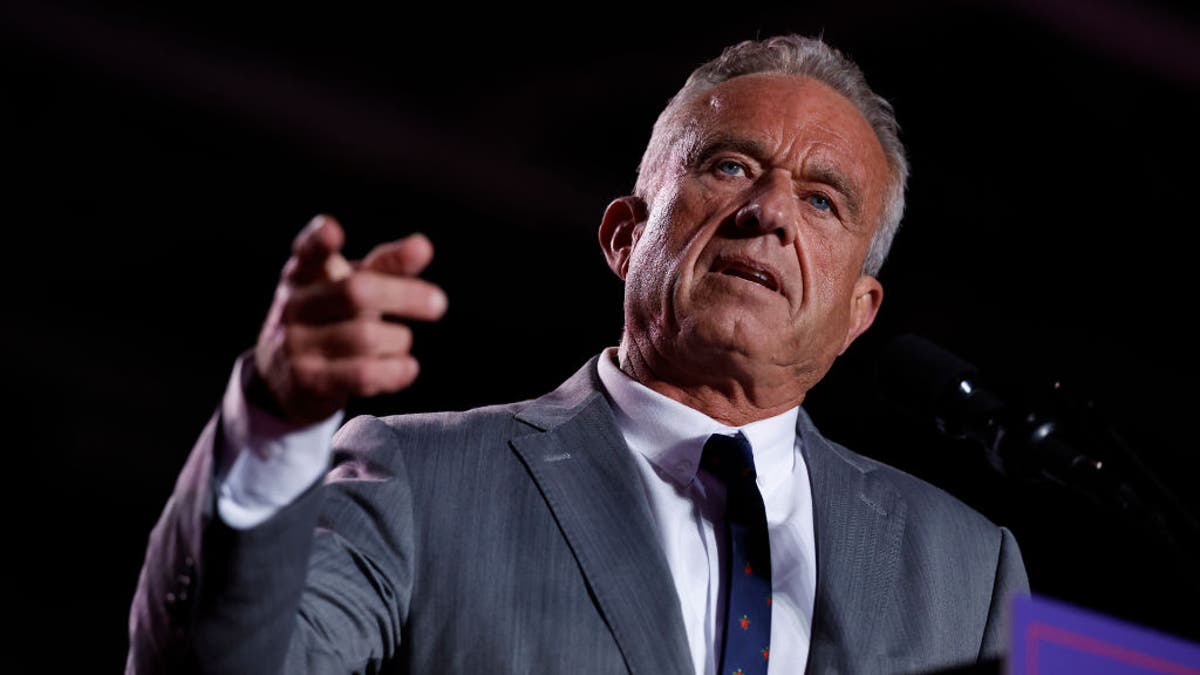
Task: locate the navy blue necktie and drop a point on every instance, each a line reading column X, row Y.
column 747, row 584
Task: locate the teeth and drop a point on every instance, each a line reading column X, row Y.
column 757, row 277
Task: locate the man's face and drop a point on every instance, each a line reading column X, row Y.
column 748, row 262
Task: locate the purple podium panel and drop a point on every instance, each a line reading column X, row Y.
column 1050, row 637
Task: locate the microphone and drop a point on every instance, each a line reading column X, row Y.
column 930, row 383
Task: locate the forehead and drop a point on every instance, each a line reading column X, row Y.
column 798, row 118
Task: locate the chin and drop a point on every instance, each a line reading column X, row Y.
column 741, row 340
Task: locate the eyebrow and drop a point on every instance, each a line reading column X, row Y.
column 703, row 150
column 817, row 171
column 822, row 172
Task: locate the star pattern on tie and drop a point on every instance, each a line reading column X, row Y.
column 747, row 622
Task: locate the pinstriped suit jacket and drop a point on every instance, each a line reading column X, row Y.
column 516, row 539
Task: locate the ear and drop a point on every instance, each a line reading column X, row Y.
column 864, row 305
column 620, row 229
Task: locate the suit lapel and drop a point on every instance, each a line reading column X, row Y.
column 584, row 469
column 859, row 521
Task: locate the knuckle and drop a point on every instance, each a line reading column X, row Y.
column 305, row 374
column 416, row 294
column 364, row 380
column 416, row 300
column 362, row 336
column 362, row 372
column 392, row 378
column 407, row 371
column 289, row 303
column 292, row 340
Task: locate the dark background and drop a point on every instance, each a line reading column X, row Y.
column 159, row 164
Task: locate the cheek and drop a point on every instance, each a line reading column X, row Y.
column 832, row 260
column 657, row 248
column 648, row 270
column 654, row 287
column 834, row 246
column 818, row 251
column 670, row 245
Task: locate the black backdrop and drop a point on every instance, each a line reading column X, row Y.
column 160, row 163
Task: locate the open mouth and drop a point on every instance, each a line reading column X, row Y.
column 750, row 271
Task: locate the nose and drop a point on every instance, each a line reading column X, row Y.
column 770, row 209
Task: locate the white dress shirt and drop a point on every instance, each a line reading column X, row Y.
column 272, row 464
column 667, row 438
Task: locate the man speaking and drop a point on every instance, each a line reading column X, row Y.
column 670, row 508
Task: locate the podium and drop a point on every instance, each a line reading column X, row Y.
column 1049, row 637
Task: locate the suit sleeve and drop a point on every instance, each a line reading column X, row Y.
column 1010, row 580
column 321, row 587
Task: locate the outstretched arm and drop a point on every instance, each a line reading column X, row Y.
column 223, row 587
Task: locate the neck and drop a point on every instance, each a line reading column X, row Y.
column 734, row 399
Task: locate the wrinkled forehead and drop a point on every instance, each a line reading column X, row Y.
column 794, row 116
column 786, row 108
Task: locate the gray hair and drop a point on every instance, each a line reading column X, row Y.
column 791, row 55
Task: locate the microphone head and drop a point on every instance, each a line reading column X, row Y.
column 920, row 377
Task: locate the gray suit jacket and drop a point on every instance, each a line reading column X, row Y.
column 517, row 538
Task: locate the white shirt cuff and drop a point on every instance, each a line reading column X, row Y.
column 273, row 462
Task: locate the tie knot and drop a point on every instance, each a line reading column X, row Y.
column 729, row 458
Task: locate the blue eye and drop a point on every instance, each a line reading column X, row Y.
column 820, row 202
column 731, row 168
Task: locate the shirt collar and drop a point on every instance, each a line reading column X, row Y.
column 672, row 435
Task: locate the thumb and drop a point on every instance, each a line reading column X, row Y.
column 315, row 251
